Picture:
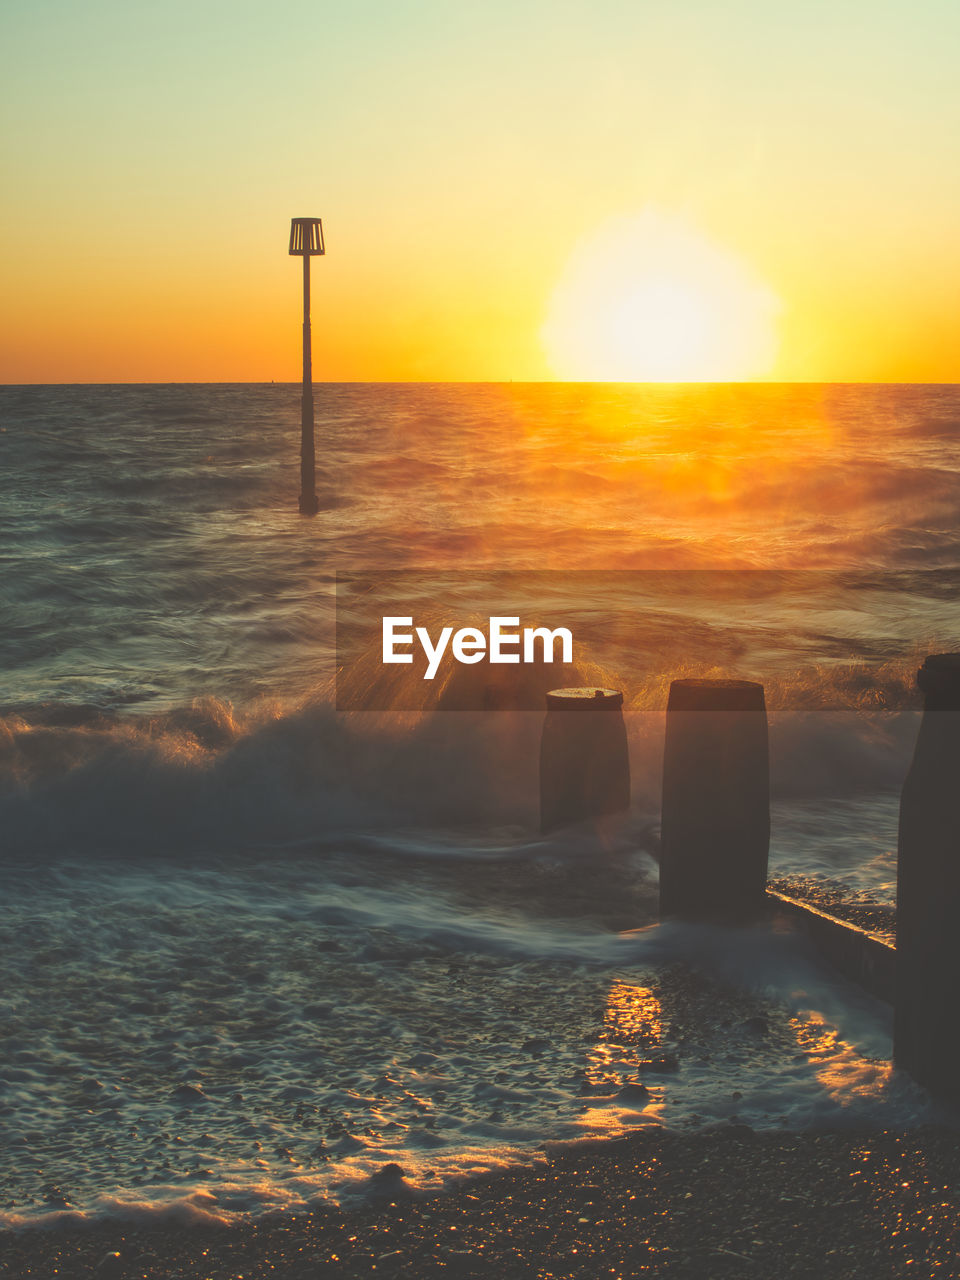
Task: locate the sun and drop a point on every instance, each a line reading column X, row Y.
column 649, row 299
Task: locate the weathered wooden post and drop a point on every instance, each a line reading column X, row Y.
column 715, row 822
column 926, row 1026
column 584, row 760
column 306, row 241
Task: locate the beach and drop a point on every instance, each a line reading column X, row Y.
column 730, row 1202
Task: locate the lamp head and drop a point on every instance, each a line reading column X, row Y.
column 306, row 237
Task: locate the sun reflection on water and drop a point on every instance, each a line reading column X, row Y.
column 632, row 1029
column 840, row 1069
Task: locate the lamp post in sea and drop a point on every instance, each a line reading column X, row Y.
column 306, row 241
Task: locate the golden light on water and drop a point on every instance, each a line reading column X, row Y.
column 632, row 1028
column 842, row 1071
column 650, row 299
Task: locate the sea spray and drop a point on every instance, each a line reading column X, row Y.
column 212, row 777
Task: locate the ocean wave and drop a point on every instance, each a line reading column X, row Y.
column 212, row 776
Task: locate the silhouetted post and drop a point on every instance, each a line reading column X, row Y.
column 715, row 822
column 584, row 761
column 926, row 1028
column 306, row 241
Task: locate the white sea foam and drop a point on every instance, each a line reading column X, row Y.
column 228, row 1037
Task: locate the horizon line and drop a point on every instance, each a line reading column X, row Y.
column 501, row 382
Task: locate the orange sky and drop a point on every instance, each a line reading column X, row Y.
column 461, row 160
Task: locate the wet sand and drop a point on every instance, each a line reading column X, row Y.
column 726, row 1202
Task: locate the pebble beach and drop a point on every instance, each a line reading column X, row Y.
column 730, row 1202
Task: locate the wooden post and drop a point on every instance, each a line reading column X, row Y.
column 715, row 822
column 926, row 1028
column 584, row 761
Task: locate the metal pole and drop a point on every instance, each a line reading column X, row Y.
column 308, row 497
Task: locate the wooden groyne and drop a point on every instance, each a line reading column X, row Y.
column 715, row 843
column 861, row 956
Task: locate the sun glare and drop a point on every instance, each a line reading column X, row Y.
column 649, row 299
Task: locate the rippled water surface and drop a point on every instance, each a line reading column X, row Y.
column 253, row 949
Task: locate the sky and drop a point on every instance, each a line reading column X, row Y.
column 509, row 190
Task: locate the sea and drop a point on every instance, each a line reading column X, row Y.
column 260, row 941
